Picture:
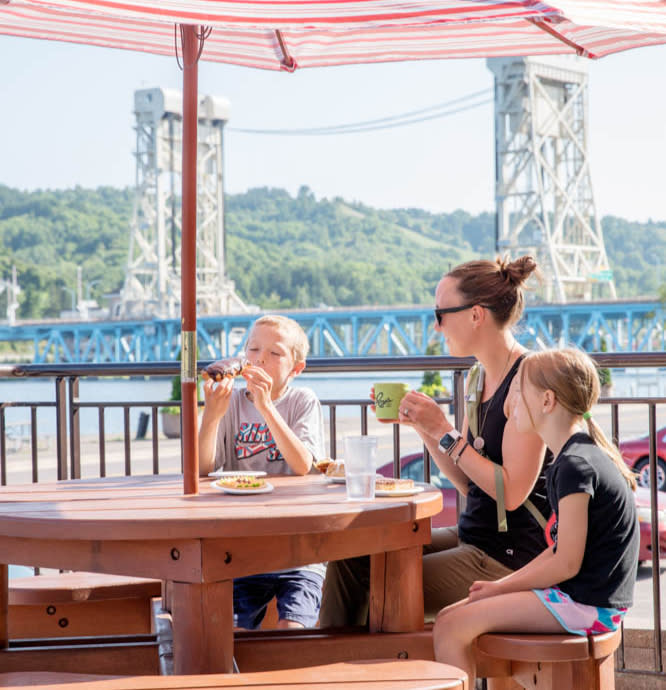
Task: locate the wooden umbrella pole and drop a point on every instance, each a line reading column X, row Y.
column 188, row 262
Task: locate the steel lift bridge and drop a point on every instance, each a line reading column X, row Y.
column 152, row 282
column 544, row 198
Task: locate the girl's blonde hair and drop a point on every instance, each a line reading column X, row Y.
column 574, row 379
column 298, row 340
column 496, row 285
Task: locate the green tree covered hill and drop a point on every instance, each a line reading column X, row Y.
column 283, row 251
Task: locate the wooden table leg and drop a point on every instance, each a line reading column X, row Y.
column 4, row 606
column 396, row 590
column 203, row 620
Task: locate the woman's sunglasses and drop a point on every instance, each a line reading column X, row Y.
column 452, row 310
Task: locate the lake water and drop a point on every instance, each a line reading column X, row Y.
column 637, row 382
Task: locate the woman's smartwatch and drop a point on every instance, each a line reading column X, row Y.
column 449, row 441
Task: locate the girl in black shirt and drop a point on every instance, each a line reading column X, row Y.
column 582, row 584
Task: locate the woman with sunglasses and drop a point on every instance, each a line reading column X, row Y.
column 477, row 305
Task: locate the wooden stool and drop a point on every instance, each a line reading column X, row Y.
column 364, row 675
column 548, row 662
column 80, row 604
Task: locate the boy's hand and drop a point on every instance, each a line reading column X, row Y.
column 259, row 385
column 217, row 397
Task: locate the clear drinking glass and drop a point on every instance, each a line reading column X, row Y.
column 360, row 464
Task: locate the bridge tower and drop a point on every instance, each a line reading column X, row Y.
column 13, row 290
column 543, row 190
column 152, row 280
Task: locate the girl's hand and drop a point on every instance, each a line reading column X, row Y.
column 259, row 385
column 481, row 589
column 422, row 412
column 217, row 397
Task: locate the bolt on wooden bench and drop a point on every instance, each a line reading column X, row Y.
column 361, row 675
column 548, row 662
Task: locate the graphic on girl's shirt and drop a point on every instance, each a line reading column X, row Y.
column 254, row 438
column 550, row 530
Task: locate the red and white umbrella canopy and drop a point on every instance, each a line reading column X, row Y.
column 297, row 34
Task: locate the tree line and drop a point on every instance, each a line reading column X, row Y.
column 283, row 251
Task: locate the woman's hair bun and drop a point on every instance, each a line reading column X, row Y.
column 518, row 271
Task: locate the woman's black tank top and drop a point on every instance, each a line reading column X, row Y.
column 477, row 524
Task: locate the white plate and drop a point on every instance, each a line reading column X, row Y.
column 336, row 480
column 237, row 473
column 383, row 493
column 266, row 489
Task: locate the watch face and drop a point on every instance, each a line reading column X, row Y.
column 448, row 440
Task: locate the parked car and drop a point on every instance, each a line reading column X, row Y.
column 645, row 521
column 636, row 453
column 411, row 466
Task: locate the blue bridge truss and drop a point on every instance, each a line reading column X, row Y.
column 636, row 326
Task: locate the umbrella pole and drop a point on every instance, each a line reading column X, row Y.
column 188, row 259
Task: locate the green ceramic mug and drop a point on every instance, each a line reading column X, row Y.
column 387, row 399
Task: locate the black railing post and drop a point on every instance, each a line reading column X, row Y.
column 33, row 443
column 3, row 448
column 61, row 426
column 156, row 457
column 654, row 525
column 102, row 441
column 74, row 428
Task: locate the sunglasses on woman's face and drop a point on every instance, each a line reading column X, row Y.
column 450, row 310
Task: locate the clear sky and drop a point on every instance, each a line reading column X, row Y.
column 66, row 119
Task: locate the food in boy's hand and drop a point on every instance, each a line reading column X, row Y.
column 336, row 469
column 225, row 368
column 242, row 482
column 390, row 484
column 323, row 464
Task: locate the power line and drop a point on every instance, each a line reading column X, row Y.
column 409, row 118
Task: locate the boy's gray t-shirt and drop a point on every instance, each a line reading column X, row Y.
column 244, row 441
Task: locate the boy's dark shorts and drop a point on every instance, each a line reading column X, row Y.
column 298, row 594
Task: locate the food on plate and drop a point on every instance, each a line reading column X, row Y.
column 225, row 368
column 390, row 484
column 336, row 469
column 242, row 482
column 323, row 464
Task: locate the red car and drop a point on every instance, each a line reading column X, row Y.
column 411, row 466
column 636, row 453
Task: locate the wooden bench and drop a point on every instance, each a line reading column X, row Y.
column 80, row 604
column 548, row 662
column 81, row 622
column 362, row 675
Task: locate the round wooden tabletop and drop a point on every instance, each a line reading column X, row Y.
column 154, row 507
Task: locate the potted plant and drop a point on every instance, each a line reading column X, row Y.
column 171, row 414
column 431, row 384
column 605, row 379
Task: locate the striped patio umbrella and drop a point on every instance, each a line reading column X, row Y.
column 291, row 34
column 295, row 34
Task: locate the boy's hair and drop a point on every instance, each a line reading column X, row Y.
column 298, row 340
column 574, row 379
column 496, row 285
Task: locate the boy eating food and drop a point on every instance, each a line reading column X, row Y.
column 273, row 427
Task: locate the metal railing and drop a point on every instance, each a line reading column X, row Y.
column 68, row 408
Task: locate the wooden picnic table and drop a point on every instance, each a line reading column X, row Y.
column 145, row 526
